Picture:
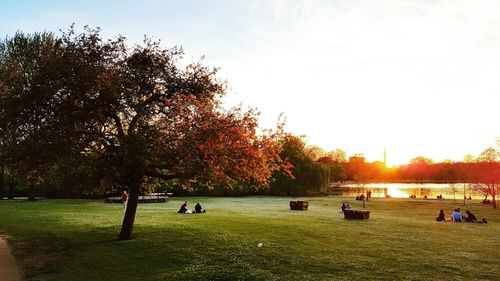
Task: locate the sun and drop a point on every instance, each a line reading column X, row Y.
column 396, row 192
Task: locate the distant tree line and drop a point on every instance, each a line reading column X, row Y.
column 310, row 171
column 481, row 173
column 421, row 169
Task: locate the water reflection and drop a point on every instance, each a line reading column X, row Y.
column 404, row 190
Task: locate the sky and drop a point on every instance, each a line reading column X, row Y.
column 413, row 77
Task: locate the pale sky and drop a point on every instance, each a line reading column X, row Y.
column 415, row 77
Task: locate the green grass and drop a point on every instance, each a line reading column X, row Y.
column 76, row 240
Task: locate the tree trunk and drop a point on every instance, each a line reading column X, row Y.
column 32, row 193
column 2, row 183
column 493, row 196
column 129, row 218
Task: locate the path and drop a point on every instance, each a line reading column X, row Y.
column 8, row 268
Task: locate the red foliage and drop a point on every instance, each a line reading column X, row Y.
column 210, row 144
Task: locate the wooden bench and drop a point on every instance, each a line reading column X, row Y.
column 356, row 214
column 299, row 205
column 142, row 199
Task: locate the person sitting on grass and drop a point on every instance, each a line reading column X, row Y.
column 198, row 209
column 470, row 217
column 457, row 216
column 346, row 206
column 184, row 209
column 441, row 217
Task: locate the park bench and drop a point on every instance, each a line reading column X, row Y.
column 356, row 214
column 299, row 205
column 142, row 199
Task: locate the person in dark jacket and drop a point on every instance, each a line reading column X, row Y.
column 470, row 217
column 346, row 206
column 198, row 209
column 441, row 217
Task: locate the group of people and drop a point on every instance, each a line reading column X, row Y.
column 457, row 216
column 363, row 197
column 185, row 210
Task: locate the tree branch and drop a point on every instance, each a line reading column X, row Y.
column 154, row 174
column 151, row 100
column 118, row 124
column 133, row 123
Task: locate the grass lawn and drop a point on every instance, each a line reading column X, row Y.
column 76, row 240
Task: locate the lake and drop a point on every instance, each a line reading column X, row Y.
column 404, row 190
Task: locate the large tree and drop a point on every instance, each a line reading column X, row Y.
column 81, row 99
